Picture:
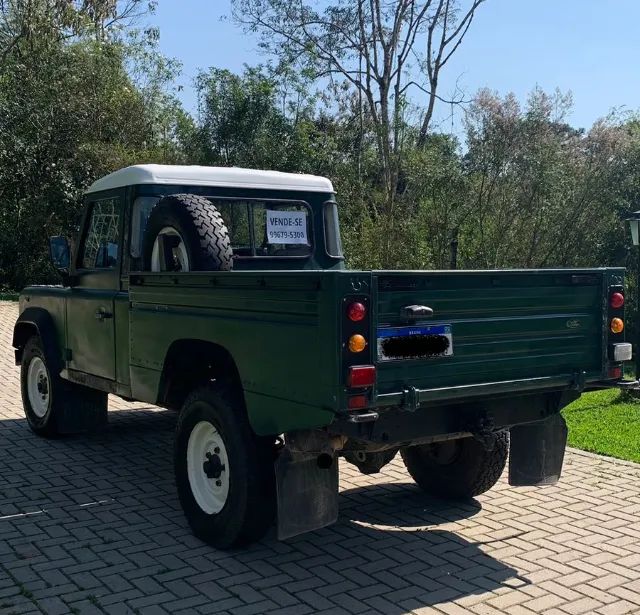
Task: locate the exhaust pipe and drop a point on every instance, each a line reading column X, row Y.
column 325, row 460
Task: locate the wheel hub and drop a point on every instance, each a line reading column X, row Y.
column 38, row 387
column 208, row 467
column 43, row 385
column 213, row 467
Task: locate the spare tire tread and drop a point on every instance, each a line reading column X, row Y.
column 200, row 224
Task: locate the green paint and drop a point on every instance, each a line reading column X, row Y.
column 282, row 321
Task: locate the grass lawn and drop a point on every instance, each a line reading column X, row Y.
column 605, row 422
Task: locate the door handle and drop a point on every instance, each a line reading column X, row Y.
column 415, row 312
column 102, row 314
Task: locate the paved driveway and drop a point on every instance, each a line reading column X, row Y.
column 91, row 524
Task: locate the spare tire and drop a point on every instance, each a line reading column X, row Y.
column 185, row 232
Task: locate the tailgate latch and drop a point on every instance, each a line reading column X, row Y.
column 415, row 312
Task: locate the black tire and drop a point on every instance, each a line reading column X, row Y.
column 198, row 221
column 249, row 509
column 457, row 469
column 70, row 408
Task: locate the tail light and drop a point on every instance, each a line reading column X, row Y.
column 616, row 301
column 361, row 376
column 356, row 311
column 618, row 351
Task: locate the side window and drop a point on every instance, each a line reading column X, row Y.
column 100, row 248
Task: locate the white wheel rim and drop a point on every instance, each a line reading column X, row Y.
column 38, row 386
column 208, row 467
column 179, row 252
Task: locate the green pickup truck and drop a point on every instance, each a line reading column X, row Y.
column 222, row 293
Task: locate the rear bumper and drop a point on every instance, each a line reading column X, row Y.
column 625, row 385
column 412, row 398
column 400, row 426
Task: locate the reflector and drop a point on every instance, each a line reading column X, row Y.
column 615, row 373
column 361, row 376
column 357, row 401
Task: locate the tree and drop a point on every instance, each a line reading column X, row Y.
column 24, row 23
column 383, row 51
column 69, row 112
column 541, row 193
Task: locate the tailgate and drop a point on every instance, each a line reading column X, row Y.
column 546, row 327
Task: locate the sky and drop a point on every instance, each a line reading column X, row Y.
column 588, row 47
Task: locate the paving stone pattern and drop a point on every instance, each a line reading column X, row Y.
column 91, row 524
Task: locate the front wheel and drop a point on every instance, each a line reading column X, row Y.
column 224, row 472
column 457, row 469
column 54, row 406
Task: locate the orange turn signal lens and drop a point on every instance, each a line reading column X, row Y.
column 617, row 325
column 357, row 343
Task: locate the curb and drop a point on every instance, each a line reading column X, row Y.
column 601, row 457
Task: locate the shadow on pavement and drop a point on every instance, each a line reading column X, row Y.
column 105, row 504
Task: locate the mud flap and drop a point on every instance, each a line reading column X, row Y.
column 307, row 494
column 83, row 409
column 537, row 452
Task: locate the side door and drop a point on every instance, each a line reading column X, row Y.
column 90, row 306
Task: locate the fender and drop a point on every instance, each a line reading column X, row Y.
column 38, row 319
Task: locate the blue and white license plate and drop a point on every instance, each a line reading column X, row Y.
column 420, row 342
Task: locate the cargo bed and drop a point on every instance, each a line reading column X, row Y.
column 509, row 331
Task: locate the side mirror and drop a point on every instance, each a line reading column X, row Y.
column 60, row 254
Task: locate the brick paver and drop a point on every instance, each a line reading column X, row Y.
column 91, row 524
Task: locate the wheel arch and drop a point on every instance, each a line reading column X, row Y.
column 190, row 363
column 37, row 321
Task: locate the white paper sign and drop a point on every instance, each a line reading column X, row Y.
column 287, row 227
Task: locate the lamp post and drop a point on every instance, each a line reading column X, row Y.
column 634, row 224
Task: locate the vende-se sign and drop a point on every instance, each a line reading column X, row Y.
column 287, row 227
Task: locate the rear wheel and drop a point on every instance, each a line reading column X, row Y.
column 52, row 405
column 224, row 472
column 457, row 469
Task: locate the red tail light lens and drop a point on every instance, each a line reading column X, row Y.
column 357, row 401
column 356, row 311
column 616, row 300
column 615, row 373
column 361, row 376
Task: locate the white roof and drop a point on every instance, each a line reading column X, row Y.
column 227, row 177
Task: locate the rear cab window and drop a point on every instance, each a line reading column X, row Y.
column 257, row 228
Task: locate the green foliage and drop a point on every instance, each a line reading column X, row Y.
column 69, row 112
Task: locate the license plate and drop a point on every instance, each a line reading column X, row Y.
column 423, row 342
